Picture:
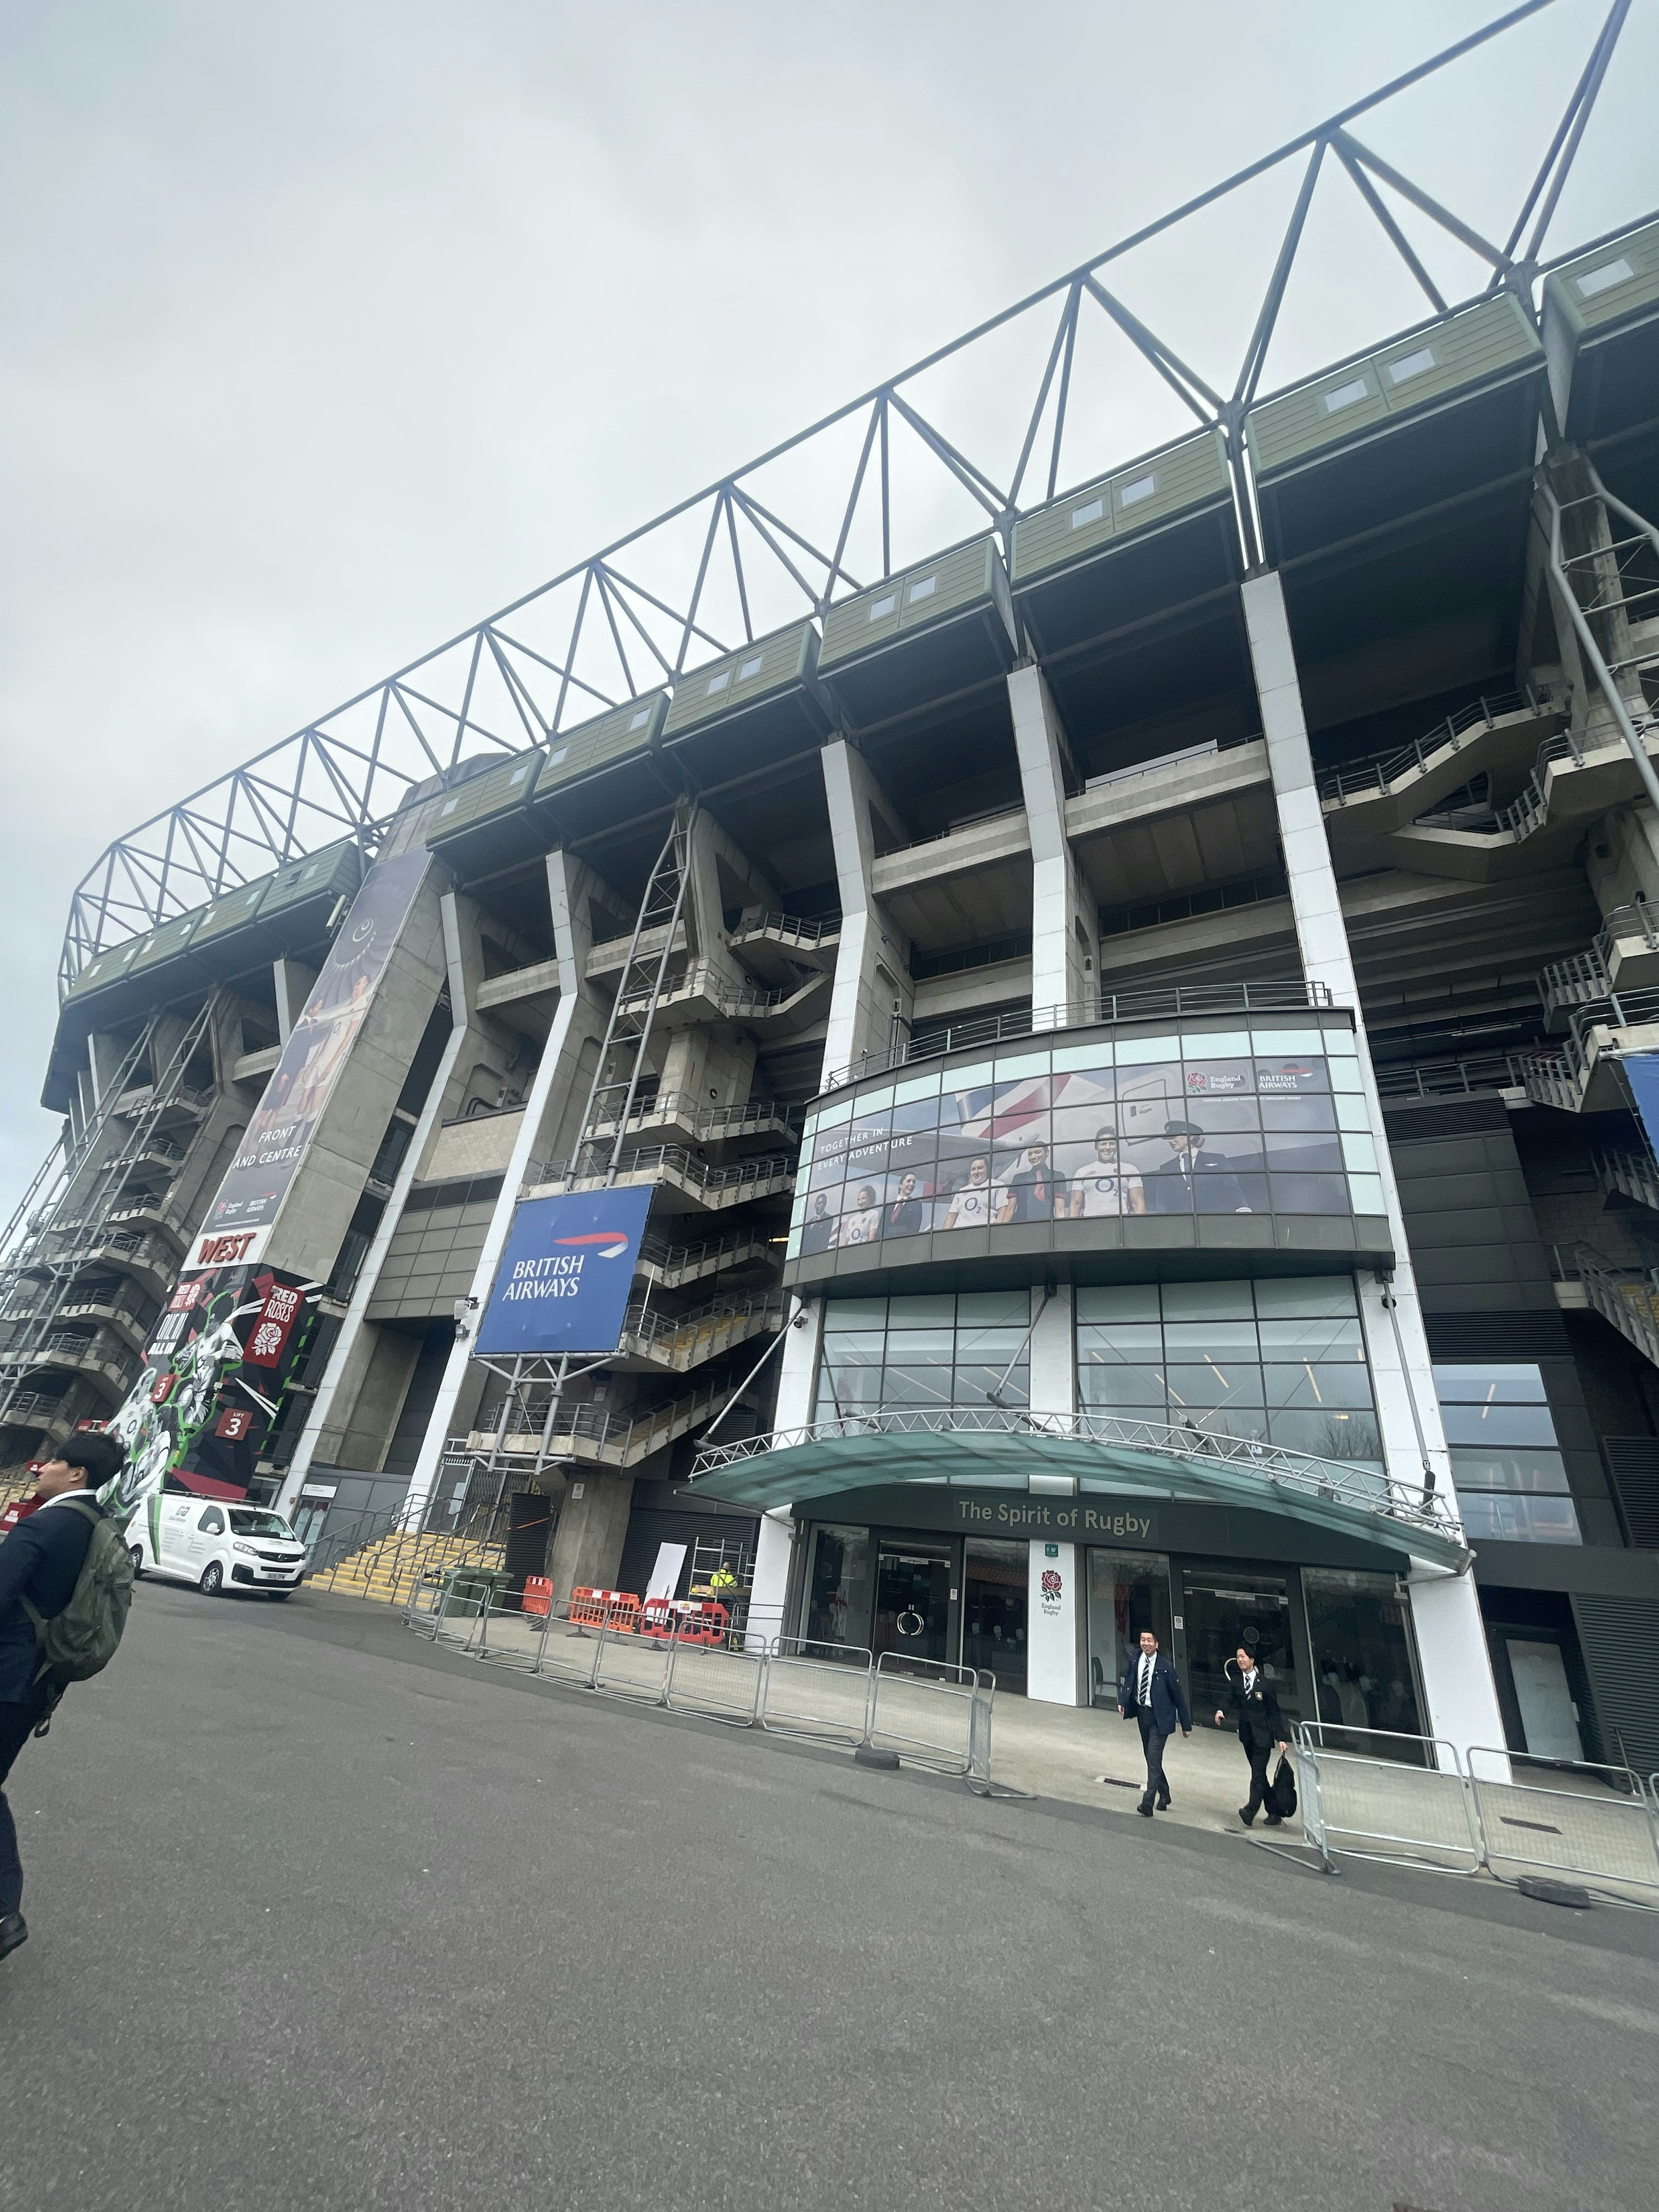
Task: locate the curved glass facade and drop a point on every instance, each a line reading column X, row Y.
column 1067, row 1132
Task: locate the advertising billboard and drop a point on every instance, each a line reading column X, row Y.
column 1642, row 1073
column 237, row 1228
column 565, row 1275
column 213, row 1383
column 1177, row 1125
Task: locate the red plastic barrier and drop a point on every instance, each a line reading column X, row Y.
column 538, row 1595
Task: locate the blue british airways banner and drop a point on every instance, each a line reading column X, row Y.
column 563, row 1282
column 1642, row 1073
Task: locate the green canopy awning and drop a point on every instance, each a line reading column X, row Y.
column 820, row 1466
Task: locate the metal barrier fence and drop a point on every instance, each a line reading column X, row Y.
column 1414, row 1800
column 937, row 1716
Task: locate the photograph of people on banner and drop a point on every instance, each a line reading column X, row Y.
column 1230, row 1133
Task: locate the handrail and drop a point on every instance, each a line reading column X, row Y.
column 669, row 1159
column 703, row 1121
column 1173, row 1002
column 1419, row 1504
column 756, row 921
column 1375, row 775
column 1443, row 1079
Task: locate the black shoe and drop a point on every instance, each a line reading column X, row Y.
column 1145, row 1808
column 1164, row 1802
column 1275, row 1821
column 1247, row 1814
column 13, row 1930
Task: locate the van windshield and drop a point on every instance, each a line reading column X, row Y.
column 244, row 1522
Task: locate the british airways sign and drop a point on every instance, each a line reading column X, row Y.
column 563, row 1281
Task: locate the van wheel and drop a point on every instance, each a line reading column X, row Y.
column 213, row 1579
column 136, row 1555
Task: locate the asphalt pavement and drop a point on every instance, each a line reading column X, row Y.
column 321, row 1916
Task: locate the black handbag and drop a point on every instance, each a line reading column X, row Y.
column 1281, row 1790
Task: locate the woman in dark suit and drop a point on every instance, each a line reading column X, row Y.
column 1260, row 1726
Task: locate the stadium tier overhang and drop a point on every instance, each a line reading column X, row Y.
column 794, row 1473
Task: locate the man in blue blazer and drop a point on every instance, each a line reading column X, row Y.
column 1151, row 1692
column 40, row 1561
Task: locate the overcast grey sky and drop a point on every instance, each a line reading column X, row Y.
column 327, row 329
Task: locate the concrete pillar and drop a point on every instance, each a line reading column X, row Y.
column 1053, row 1354
column 1451, row 1643
column 576, row 1019
column 1065, row 918
column 293, row 981
column 104, row 1057
column 872, row 967
column 587, row 1544
column 775, row 1548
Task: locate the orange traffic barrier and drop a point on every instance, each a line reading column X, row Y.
column 657, row 1617
column 538, row 1593
column 603, row 1608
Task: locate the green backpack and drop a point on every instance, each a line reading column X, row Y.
column 80, row 1640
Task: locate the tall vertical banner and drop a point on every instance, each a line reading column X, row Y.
column 217, row 1369
column 237, row 1229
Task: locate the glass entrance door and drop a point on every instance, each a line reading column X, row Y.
column 994, row 1583
column 912, row 1599
column 1128, row 1591
column 1224, row 1607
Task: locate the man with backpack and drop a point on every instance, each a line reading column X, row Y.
column 65, row 1579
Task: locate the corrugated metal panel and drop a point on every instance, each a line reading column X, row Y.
column 1496, row 335
column 1633, row 1470
column 108, row 968
column 1460, row 354
column 231, row 911
column 1619, row 1639
column 771, row 663
column 1148, row 491
column 632, row 728
column 1610, row 285
column 168, row 942
column 502, row 789
column 337, row 868
column 963, row 578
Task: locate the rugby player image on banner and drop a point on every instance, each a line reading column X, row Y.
column 238, row 1223
column 212, row 1385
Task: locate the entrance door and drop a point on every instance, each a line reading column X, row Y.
column 1547, row 1715
column 912, row 1599
column 1223, row 1607
column 994, row 1577
column 1128, row 1591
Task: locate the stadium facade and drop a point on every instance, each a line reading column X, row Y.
column 1133, row 1028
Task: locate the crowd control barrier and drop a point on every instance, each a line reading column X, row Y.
column 690, row 1660
column 1414, row 1800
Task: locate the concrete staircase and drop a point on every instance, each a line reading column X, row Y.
column 388, row 1569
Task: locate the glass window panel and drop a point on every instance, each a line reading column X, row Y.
column 937, row 1311
column 1366, row 1193
column 1291, row 1075
column 1206, row 1302
column 838, row 1587
column 954, row 1081
column 843, row 1390
column 1315, row 1338
column 917, row 1385
column 1311, row 1384
column 1507, row 1520
column 804, row 1157
column 1108, row 1385
column 822, row 1213
column 1127, row 1593
column 1230, row 1193
column 831, row 1116
column 916, row 1117
column 1084, row 1060
column 1224, row 1044
column 1359, row 1154
column 1362, row 1656
column 1219, row 1079
column 1219, row 1117
column 974, row 1384
column 1142, row 1053
column 1315, row 1111
column 1303, row 1151
column 1309, row 1193
column 916, row 1086
column 1329, row 1433
column 1234, row 1419
column 1217, row 1382
column 1351, row 1111
column 994, row 1309
column 999, row 1346
column 907, row 1210
column 1124, row 1342
column 1209, row 1339
column 1496, row 1424
column 1102, row 1183
column 791, row 1248
column 1345, row 1075
column 1147, row 1097
column 1115, row 1302
column 1305, row 1294
column 971, row 1199
column 854, row 1313
column 1507, row 1385
column 1540, row 1470
column 1021, row 1068
column 1285, row 1043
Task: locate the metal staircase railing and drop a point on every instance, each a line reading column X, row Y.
column 1376, row 776
column 1632, row 1175
column 1628, row 1297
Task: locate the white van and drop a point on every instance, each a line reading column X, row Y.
column 216, row 1546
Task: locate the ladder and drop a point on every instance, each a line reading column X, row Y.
column 65, row 1214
